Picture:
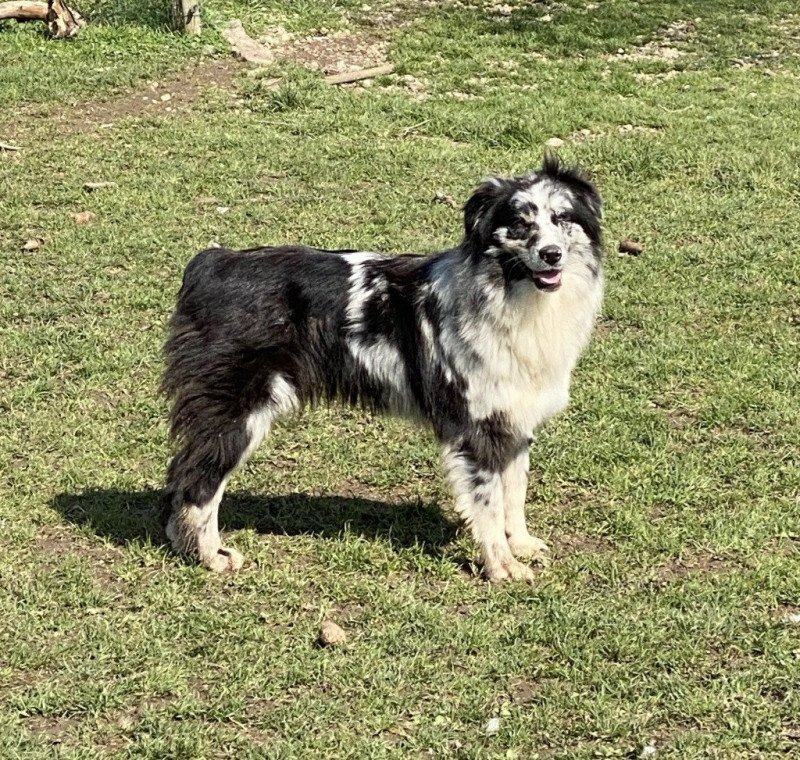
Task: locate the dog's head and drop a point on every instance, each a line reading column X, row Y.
column 534, row 225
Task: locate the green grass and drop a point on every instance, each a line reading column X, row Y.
column 670, row 488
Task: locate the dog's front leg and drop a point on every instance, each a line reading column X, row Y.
column 480, row 502
column 515, row 487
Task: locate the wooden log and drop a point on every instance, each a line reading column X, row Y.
column 64, row 22
column 187, row 16
column 24, row 10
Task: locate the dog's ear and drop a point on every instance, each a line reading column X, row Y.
column 477, row 210
column 576, row 179
column 586, row 191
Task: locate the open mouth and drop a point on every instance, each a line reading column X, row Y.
column 548, row 281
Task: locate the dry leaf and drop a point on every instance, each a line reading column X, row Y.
column 84, row 217
column 631, row 247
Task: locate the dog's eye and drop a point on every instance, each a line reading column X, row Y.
column 562, row 217
column 520, row 229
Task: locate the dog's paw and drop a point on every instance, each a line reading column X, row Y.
column 224, row 561
column 530, row 547
column 509, row 570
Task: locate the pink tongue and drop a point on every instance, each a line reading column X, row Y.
column 549, row 278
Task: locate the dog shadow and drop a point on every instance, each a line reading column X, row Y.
column 125, row 517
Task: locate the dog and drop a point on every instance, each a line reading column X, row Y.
column 479, row 341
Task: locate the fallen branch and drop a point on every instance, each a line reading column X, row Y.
column 6, row 146
column 346, row 78
column 244, row 46
column 64, row 22
column 356, row 76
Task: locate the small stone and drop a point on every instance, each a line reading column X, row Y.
column 492, row 726
column 84, row 217
column 165, row 97
column 223, row 209
column 648, row 750
column 34, row 244
column 554, row 142
column 331, row 635
column 631, row 247
column 793, row 618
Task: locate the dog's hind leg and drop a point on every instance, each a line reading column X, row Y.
column 515, row 486
column 196, row 482
column 479, row 501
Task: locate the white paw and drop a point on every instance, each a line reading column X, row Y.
column 224, row 561
column 509, row 569
column 529, row 547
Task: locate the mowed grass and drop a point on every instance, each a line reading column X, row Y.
column 669, row 489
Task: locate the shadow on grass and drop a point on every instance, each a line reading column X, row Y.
column 127, row 516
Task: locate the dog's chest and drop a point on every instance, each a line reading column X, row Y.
column 526, row 363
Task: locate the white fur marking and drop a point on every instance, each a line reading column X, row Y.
column 359, row 257
column 381, row 359
column 283, row 400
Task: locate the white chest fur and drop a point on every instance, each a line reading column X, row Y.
column 528, row 351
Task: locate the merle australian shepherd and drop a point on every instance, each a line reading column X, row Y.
column 479, row 341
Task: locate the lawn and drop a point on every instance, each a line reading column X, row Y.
column 669, row 490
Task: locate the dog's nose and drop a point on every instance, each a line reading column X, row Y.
column 550, row 254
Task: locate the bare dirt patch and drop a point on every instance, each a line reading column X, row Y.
column 174, row 95
column 55, row 729
column 668, row 45
column 335, row 53
column 701, row 563
column 525, row 692
column 566, row 544
column 55, row 544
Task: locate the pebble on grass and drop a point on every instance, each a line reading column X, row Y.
column 331, row 635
